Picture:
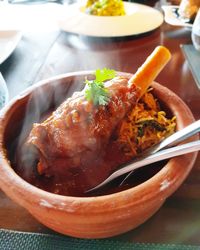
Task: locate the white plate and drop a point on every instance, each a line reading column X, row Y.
column 172, row 18
column 8, row 42
column 139, row 19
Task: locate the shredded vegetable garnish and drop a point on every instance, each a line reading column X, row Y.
column 145, row 126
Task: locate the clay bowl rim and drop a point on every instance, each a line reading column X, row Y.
column 22, row 185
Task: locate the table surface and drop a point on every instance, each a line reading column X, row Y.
column 42, row 55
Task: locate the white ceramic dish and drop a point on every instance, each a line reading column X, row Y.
column 139, row 19
column 171, row 16
column 8, row 42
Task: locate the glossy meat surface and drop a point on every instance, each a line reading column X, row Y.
column 78, row 132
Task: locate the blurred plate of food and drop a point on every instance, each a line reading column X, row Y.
column 183, row 14
column 107, row 20
column 8, row 42
column 172, row 16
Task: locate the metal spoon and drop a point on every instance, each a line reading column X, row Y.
column 151, row 156
column 177, row 137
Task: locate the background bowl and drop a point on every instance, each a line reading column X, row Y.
column 85, row 217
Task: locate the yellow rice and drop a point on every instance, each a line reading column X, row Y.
column 105, row 7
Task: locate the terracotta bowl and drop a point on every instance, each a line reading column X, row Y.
column 87, row 217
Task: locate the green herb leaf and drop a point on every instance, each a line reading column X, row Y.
column 104, row 74
column 95, row 91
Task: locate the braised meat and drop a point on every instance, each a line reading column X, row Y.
column 74, row 142
column 78, row 131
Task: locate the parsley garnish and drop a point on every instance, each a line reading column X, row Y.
column 95, row 91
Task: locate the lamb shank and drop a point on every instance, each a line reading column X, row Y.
column 76, row 135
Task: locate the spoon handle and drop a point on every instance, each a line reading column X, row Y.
column 172, row 140
column 161, row 155
column 177, row 137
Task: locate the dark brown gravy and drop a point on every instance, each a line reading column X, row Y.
column 136, row 178
column 77, row 182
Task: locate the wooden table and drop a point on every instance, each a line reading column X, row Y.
column 42, row 55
